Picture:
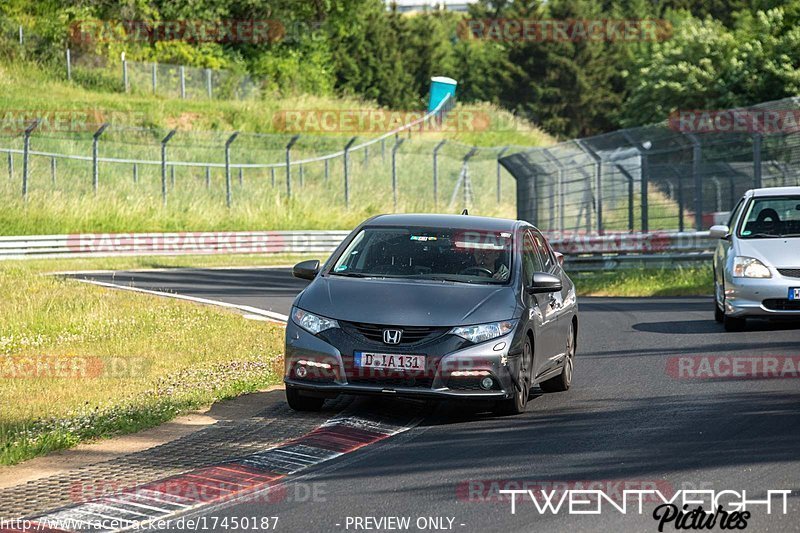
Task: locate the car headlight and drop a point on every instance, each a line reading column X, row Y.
column 749, row 267
column 484, row 332
column 311, row 322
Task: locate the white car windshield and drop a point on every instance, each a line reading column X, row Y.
column 466, row 256
column 771, row 217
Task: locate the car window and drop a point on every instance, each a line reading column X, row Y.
column 735, row 214
column 544, row 251
column 531, row 262
column 447, row 254
column 771, row 217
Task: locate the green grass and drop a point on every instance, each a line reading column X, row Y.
column 161, row 356
column 67, row 203
column 679, row 281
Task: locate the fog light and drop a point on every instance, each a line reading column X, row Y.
column 300, row 371
column 486, row 383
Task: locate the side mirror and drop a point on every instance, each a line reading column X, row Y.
column 543, row 282
column 720, row 231
column 559, row 258
column 306, row 270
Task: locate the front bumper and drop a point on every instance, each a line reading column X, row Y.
column 760, row 297
column 436, row 381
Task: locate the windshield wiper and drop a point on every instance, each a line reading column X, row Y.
column 350, row 274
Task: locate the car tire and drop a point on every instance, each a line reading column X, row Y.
column 302, row 403
column 563, row 381
column 734, row 324
column 519, row 401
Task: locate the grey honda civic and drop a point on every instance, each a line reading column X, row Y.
column 433, row 306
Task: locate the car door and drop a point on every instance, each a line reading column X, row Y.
column 538, row 306
column 553, row 303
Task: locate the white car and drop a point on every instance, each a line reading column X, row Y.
column 757, row 259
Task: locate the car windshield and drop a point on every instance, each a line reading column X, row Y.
column 771, row 217
column 443, row 254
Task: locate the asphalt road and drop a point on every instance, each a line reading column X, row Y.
column 627, row 418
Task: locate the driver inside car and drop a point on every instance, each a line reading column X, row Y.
column 493, row 260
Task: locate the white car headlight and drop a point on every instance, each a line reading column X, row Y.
column 311, row 322
column 749, row 267
column 484, row 332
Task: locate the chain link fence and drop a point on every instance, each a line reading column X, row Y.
column 684, row 174
column 402, row 170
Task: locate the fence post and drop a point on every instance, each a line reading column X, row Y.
column 397, row 144
column 95, row 165
column 21, row 40
column 289, row 164
column 241, row 177
column 499, row 155
column 164, row 142
column 718, row 195
column 644, row 177
column 208, row 177
column 53, row 171
column 347, row 171
column 559, row 187
column 26, row 149
column 697, row 155
column 272, row 171
column 598, row 184
column 208, row 83
column 182, row 74
column 172, row 176
column 135, row 173
column 630, row 195
column 679, row 178
column 302, row 176
column 154, row 77
column 327, row 168
column 366, row 155
column 383, row 149
column 228, row 167
column 10, row 166
column 757, row 160
column 69, row 65
column 436, row 172
column 124, row 73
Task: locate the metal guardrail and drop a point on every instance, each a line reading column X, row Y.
column 583, row 252
column 184, row 243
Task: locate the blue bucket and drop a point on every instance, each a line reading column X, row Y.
column 441, row 87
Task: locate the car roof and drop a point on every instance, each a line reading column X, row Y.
column 773, row 191
column 466, row 222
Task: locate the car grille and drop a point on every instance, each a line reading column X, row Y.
column 416, row 382
column 790, row 272
column 411, row 334
column 782, row 304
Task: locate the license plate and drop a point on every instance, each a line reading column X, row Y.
column 794, row 293
column 390, row 361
